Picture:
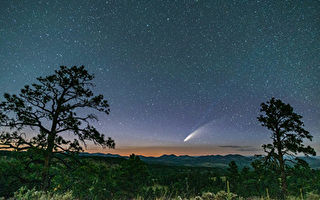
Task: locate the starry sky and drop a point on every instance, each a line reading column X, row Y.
column 171, row 68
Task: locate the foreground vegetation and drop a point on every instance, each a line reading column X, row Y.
column 118, row 178
column 25, row 194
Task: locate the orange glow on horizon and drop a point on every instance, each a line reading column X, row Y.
column 176, row 150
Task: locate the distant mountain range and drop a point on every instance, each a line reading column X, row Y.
column 202, row 161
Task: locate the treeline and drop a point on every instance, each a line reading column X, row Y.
column 116, row 178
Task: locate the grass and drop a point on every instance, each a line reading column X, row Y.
column 25, row 194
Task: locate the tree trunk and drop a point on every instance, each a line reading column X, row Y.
column 49, row 150
column 282, row 166
column 47, row 162
column 282, row 169
column 283, row 177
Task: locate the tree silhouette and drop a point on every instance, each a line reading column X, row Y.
column 133, row 177
column 287, row 136
column 233, row 175
column 50, row 108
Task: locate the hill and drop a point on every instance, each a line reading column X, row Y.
column 216, row 161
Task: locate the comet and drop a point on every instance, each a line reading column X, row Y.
column 203, row 123
column 199, row 130
column 191, row 135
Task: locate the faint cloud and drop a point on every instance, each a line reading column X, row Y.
column 240, row 148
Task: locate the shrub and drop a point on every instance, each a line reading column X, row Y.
column 208, row 196
column 312, row 196
column 25, row 194
column 222, row 195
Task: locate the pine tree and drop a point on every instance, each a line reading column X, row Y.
column 51, row 109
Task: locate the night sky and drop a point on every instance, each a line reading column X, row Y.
column 171, row 68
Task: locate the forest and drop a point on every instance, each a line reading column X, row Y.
column 117, row 178
column 49, row 166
